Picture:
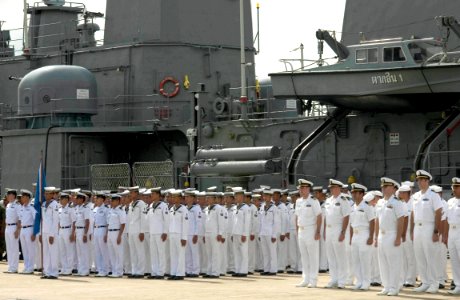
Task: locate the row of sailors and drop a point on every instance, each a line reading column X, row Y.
column 376, row 234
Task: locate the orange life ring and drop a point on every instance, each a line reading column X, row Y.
column 176, row 87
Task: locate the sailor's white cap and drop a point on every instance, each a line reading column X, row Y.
column 296, row 192
column 317, row 188
column 247, row 193
column 268, row 192
column 423, row 174
column 201, row 194
column 345, row 186
column 176, row 192
column 404, row 188
column 408, row 183
column 192, row 193
column 333, row 182
column 276, row 191
column 26, row 192
column 256, row 196
column 134, row 188
column 124, row 193
column 265, row 187
column 455, row 181
column 229, row 194
column 304, row 182
column 238, row 190
column 64, row 195
column 358, row 187
column 369, row 197
column 436, row 188
column 378, row 193
column 81, row 195
column 156, row 190
column 212, row 189
column 285, row 192
column 211, row 194
column 115, row 197
column 147, row 192
column 385, row 181
column 49, row 189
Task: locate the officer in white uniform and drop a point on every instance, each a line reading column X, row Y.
column 100, row 236
column 13, row 230
column 27, row 217
column 308, row 220
column 425, row 230
column 253, row 233
column 320, row 194
column 284, row 231
column 82, row 223
column 192, row 251
column 390, row 223
column 178, row 235
column 136, row 233
column 258, row 260
column 240, row 233
column 49, row 235
column 269, row 231
column 441, row 264
column 201, row 198
column 228, row 258
column 158, row 219
column 116, row 221
column 336, row 221
column 125, row 203
column 452, row 233
column 408, row 268
column 362, row 220
column 215, row 227
column 66, row 233
column 147, row 198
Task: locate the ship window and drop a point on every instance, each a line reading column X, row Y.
column 393, row 54
column 364, row 56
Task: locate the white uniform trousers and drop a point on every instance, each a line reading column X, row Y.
column 177, row 255
column 28, row 248
column 38, row 255
column 454, row 252
column 192, row 257
column 240, row 254
column 323, row 265
column 408, row 266
column 50, row 256
column 92, row 254
column 148, row 258
column 441, row 265
column 115, row 253
column 66, row 253
column 224, row 256
column 309, row 253
column 203, row 255
column 100, row 251
column 259, row 255
column 157, row 255
column 213, row 251
column 269, row 254
column 281, row 248
column 336, row 255
column 390, row 259
column 126, row 255
column 12, row 248
column 251, row 254
column 82, row 253
column 294, row 259
column 168, row 255
column 229, row 257
column 425, row 253
column 137, row 253
column 375, row 268
column 361, row 257
column 350, row 270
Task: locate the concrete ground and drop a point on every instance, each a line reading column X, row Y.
column 16, row 286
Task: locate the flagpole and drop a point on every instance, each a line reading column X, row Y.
column 41, row 214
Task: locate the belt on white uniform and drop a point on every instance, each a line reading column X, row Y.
column 80, row 227
column 11, row 224
column 334, row 225
column 101, row 226
column 454, row 226
column 305, row 227
column 424, row 223
column 387, row 231
column 114, row 229
column 66, row 227
column 27, row 226
column 360, row 229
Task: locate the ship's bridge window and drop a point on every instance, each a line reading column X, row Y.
column 364, row 56
column 393, row 54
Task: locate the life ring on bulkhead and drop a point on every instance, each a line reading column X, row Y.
column 176, row 87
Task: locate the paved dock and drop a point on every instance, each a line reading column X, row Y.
column 25, row 287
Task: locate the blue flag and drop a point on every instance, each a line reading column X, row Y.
column 39, row 197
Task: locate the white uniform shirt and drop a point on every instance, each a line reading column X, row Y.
column 425, row 205
column 453, row 211
column 66, row 216
column 307, row 210
column 229, row 214
column 255, row 220
column 115, row 217
column 82, row 213
column 158, row 218
column 242, row 220
column 444, row 209
column 195, row 219
column 27, row 215
column 136, row 217
column 336, row 208
column 270, row 224
column 50, row 219
column 284, row 218
column 389, row 213
column 215, row 222
column 179, row 221
column 100, row 216
column 361, row 215
column 12, row 213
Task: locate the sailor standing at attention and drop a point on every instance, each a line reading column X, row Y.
column 362, row 220
column 451, row 234
column 49, row 234
column 425, row 230
column 192, row 251
column 66, row 233
column 240, row 233
column 282, row 242
column 215, row 224
column 100, row 236
column 82, row 216
column 269, row 231
column 308, row 220
column 146, row 197
column 136, row 233
column 389, row 228
column 12, row 231
column 116, row 220
column 337, row 216
column 178, row 235
column 27, row 216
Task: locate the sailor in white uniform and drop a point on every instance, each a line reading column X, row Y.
column 192, row 251
column 308, row 220
column 240, row 233
column 362, row 220
column 116, row 221
column 201, row 198
column 136, row 233
column 441, row 264
column 27, row 217
column 269, row 232
column 49, row 235
column 66, row 233
column 100, row 235
column 82, row 223
column 178, row 235
column 452, row 233
column 425, row 230
column 13, row 230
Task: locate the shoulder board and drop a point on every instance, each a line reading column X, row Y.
column 343, row 197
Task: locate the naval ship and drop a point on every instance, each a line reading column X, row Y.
column 162, row 100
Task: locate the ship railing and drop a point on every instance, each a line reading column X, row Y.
column 66, row 4
column 444, row 57
column 304, row 63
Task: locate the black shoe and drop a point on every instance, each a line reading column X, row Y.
column 172, row 278
column 213, row 277
column 52, row 277
column 322, row 271
column 74, row 271
column 280, row 271
column 44, row 277
column 159, row 277
column 290, row 272
column 151, row 277
column 206, row 276
column 230, row 272
column 130, row 276
column 223, row 275
column 202, row 274
column 192, row 275
column 258, row 271
column 408, row 285
column 139, row 276
column 271, row 274
column 264, row 273
column 179, row 278
column 242, row 275
column 235, row 275
column 298, row 272
column 250, row 273
column 441, row 286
